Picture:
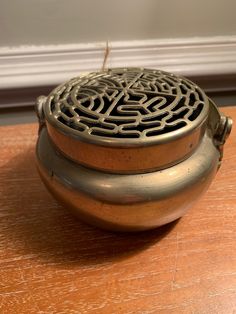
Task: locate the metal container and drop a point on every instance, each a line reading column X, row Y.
column 129, row 148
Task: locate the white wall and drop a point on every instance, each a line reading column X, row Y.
column 43, row 22
column 46, row 42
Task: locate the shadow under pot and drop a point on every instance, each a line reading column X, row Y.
column 129, row 149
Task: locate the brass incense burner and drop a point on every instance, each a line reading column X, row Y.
column 129, row 149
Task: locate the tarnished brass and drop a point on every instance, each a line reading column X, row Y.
column 129, row 149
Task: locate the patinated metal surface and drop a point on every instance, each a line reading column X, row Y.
column 127, row 202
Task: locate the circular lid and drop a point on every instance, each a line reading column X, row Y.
column 127, row 119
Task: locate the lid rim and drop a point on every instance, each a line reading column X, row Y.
column 126, row 142
column 122, row 136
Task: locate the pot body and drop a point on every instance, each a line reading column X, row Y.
column 129, row 149
column 127, row 202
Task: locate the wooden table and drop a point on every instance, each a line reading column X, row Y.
column 52, row 263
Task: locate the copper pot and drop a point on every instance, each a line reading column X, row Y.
column 129, row 149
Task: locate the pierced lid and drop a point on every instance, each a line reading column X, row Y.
column 127, row 119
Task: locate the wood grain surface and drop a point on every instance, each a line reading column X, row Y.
column 52, row 263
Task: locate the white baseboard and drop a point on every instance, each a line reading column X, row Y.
column 34, row 66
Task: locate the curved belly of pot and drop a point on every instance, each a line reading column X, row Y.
column 127, row 202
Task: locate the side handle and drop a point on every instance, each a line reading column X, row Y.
column 40, row 101
column 223, row 132
column 220, row 126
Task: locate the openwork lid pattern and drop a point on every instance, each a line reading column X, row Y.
column 133, row 103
